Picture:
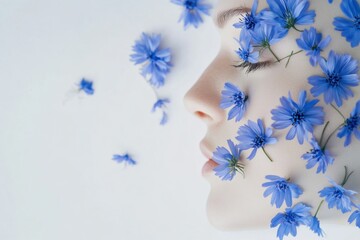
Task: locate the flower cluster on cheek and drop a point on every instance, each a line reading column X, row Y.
column 259, row 31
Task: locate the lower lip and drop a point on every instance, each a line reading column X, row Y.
column 208, row 167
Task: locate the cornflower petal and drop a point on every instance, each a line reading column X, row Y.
column 355, row 216
column 192, row 12
column 86, row 86
column 351, row 125
column 126, row 158
column 317, row 156
column 233, row 97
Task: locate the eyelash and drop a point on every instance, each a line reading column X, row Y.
column 251, row 67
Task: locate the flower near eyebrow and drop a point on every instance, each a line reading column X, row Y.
column 281, row 190
column 266, row 35
column 288, row 13
column 315, row 226
column 246, row 50
column 311, row 41
column 233, row 97
column 355, row 216
column 351, row 125
column 291, row 219
column 349, row 27
column 86, row 86
column 340, row 75
column 161, row 104
column 249, row 21
column 228, row 161
column 126, row 158
column 337, row 196
column 301, row 116
column 317, row 156
column 254, row 135
column 156, row 61
column 193, row 9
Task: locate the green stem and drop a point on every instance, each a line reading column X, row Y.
column 346, row 177
column 273, row 53
column 327, row 140
column 342, row 115
column 266, row 154
column 287, row 63
column 323, row 131
column 297, row 29
column 290, row 55
column 317, row 210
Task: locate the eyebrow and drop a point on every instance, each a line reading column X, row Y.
column 223, row 17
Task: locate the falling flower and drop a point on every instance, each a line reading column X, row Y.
column 349, row 27
column 249, row 21
column 288, row 13
column 126, row 158
column 351, row 125
column 228, row 161
column 161, row 104
column 311, row 41
column 233, row 97
column 317, row 156
column 281, row 190
column 340, row 75
column 246, row 50
column 301, row 116
column 291, row 219
column 86, row 86
column 338, row 196
column 193, row 9
column 156, row 61
column 255, row 136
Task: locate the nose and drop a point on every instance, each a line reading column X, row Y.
column 203, row 98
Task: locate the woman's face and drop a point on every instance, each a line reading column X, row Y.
column 240, row 202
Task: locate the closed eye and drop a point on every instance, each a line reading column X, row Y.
column 251, row 67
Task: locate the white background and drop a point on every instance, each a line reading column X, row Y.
column 57, row 179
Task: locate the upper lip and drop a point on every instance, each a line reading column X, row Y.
column 205, row 149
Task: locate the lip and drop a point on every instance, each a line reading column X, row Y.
column 209, row 164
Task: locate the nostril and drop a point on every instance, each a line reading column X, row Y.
column 202, row 115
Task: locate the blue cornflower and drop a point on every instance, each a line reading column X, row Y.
column 265, row 35
column 228, row 161
column 315, row 226
column 288, row 13
column 301, row 116
column 192, row 11
column 311, row 41
column 233, row 97
column 349, row 27
column 161, row 104
column 355, row 216
column 338, row 196
column 317, row 156
column 351, row 125
column 291, row 219
column 340, row 74
column 330, row 1
column 281, row 190
column 246, row 50
column 249, row 21
column 126, row 158
column 86, row 86
column 156, row 61
column 255, row 136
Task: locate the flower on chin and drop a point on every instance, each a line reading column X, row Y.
column 248, row 22
column 355, row 216
column 301, row 116
column 281, row 190
column 228, row 161
column 291, row 219
column 315, row 227
column 255, row 136
column 86, row 86
column 156, row 61
column 265, row 35
column 349, row 27
column 288, row 13
column 246, row 50
column 340, row 75
column 351, row 125
column 233, row 97
column 317, row 156
column 193, row 9
column 337, row 196
column 311, row 41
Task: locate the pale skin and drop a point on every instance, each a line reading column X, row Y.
column 240, row 203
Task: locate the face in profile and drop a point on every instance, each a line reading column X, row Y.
column 240, row 203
